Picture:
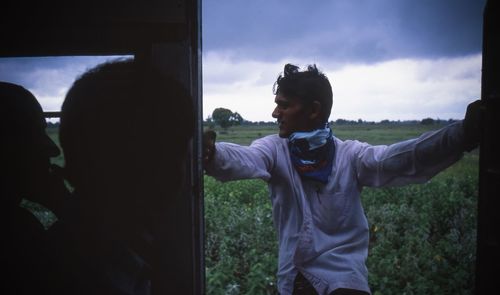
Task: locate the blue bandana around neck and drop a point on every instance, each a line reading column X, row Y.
column 312, row 153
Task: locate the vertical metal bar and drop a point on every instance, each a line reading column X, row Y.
column 488, row 238
column 51, row 114
column 198, row 229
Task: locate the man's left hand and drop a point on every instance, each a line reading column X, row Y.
column 472, row 125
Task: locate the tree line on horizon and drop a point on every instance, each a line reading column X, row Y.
column 225, row 118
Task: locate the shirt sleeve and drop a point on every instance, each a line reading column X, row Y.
column 411, row 161
column 233, row 162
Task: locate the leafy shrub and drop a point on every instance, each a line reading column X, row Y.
column 423, row 237
column 241, row 245
column 44, row 215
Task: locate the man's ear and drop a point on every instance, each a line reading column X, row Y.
column 315, row 110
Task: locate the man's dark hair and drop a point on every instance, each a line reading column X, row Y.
column 307, row 86
column 125, row 132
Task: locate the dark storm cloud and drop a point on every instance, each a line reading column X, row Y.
column 343, row 30
column 20, row 70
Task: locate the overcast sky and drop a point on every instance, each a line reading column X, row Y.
column 386, row 59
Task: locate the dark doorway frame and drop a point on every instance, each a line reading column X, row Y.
column 166, row 33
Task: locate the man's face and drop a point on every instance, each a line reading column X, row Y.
column 292, row 115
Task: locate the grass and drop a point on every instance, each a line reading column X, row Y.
column 371, row 133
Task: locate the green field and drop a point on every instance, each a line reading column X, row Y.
column 53, row 133
column 422, row 236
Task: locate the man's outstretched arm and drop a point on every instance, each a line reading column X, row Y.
column 417, row 160
column 227, row 161
column 472, row 125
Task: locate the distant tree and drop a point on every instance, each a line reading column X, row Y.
column 225, row 118
column 236, row 119
column 341, row 121
column 222, row 116
column 427, row 121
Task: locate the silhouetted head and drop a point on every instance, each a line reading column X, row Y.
column 125, row 131
column 303, row 98
column 26, row 148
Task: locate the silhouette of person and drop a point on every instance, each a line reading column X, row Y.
column 315, row 181
column 125, row 130
column 26, row 173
